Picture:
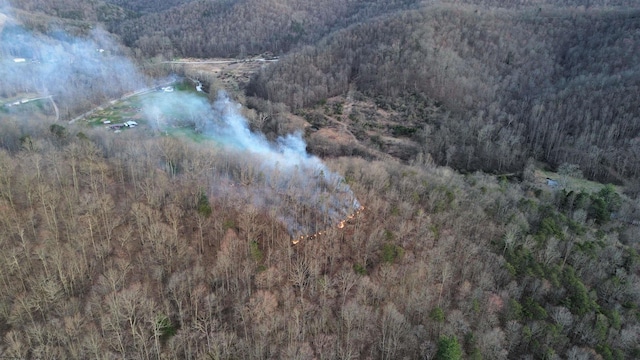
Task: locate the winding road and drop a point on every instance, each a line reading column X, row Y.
column 25, row 101
column 113, row 101
column 145, row 90
column 230, row 61
column 55, row 107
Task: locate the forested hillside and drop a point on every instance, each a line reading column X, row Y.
column 148, row 6
column 29, row 11
column 560, row 86
column 428, row 230
column 108, row 254
column 239, row 28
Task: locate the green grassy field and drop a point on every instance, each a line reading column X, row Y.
column 571, row 183
column 132, row 109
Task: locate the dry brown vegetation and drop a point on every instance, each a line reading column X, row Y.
column 108, row 253
column 485, row 89
column 141, row 246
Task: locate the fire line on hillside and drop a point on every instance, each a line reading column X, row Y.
column 340, row 225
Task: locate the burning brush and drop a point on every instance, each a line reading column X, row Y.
column 341, row 224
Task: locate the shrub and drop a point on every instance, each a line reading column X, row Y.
column 204, row 207
column 256, row 254
column 164, row 327
column 449, row 349
column 59, row 131
column 437, row 315
column 391, row 252
column 578, row 299
column 359, row 269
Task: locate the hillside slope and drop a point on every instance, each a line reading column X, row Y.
column 238, row 28
column 117, row 245
column 558, row 85
column 65, row 10
column 142, row 243
column 148, row 6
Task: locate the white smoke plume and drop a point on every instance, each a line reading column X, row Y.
column 306, row 195
column 78, row 72
column 82, row 73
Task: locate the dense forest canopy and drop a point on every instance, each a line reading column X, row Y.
column 556, row 81
column 148, row 6
column 436, row 227
column 245, row 27
column 559, row 86
column 108, row 254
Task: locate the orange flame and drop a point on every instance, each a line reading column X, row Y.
column 341, row 225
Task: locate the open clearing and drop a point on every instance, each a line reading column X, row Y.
column 130, row 108
column 569, row 183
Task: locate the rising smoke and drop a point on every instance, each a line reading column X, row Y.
column 80, row 73
column 281, row 175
